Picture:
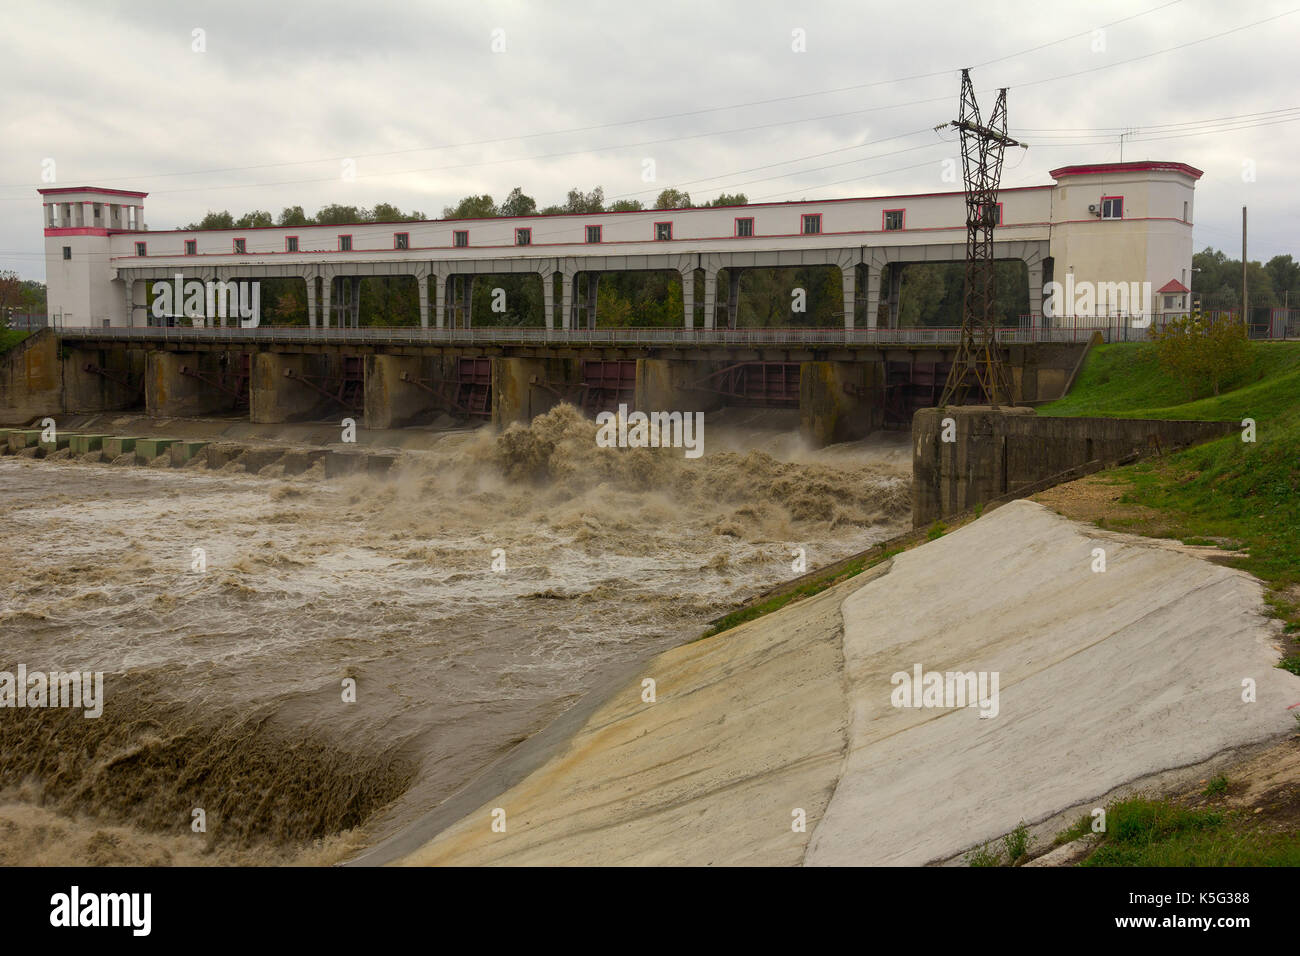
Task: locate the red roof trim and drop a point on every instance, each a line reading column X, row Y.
column 53, row 190
column 1098, row 169
column 1173, row 285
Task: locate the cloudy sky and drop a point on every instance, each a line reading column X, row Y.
column 433, row 101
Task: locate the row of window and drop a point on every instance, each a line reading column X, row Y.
column 892, row 220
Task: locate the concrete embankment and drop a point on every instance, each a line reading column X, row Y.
column 1104, row 679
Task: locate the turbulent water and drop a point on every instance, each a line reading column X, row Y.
column 225, row 687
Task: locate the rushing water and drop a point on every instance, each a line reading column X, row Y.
column 225, row 687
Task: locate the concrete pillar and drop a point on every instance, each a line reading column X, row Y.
column 548, row 296
column 733, row 295
column 354, row 301
column 311, row 300
column 566, row 300
column 872, row 279
column 593, row 287
column 440, row 280
column 895, row 291
column 688, row 296
column 85, row 391
column 129, row 284
column 169, row 393
column 275, row 398
column 422, row 287
column 391, row 401
column 1036, row 293
column 326, row 295
column 467, row 300
column 710, row 296
column 662, row 385
column 849, row 278
column 839, row 401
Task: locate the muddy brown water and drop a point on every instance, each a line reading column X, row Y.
column 225, row 687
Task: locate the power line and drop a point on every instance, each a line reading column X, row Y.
column 610, row 125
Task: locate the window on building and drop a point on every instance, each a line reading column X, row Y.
column 142, row 249
column 290, row 243
column 994, row 213
column 401, row 240
column 460, row 238
column 99, row 211
column 663, row 231
column 345, row 243
column 1169, row 302
column 523, row 237
column 67, row 252
column 593, row 233
column 1112, row 207
column 240, row 246
column 191, row 247
column 745, row 227
column 893, row 219
column 812, row 224
column 1185, row 211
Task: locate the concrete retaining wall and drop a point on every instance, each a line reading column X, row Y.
column 995, row 453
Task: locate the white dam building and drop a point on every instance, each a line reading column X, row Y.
column 1102, row 224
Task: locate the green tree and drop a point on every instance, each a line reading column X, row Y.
column 294, row 216
column 578, row 201
column 730, row 199
column 336, row 215
column 214, row 220
column 1204, row 353
column 672, row 198
column 471, row 207
column 517, row 204
column 626, row 205
column 255, row 219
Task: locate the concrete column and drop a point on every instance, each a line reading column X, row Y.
column 467, row 300
column 354, row 301
column 326, row 294
column 593, row 288
column 310, row 279
column 838, row 401
column 129, row 284
column 688, row 296
column 710, row 296
column 733, row 295
column 566, row 300
column 895, row 291
column 1036, row 292
column 548, row 295
column 440, row 299
column 872, row 278
column 422, row 287
column 849, row 278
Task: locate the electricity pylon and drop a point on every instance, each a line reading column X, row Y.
column 978, row 363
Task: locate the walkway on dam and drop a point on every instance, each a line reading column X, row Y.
column 1105, row 678
column 509, row 335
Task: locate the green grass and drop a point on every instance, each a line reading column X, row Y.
column 1146, row 832
column 813, row 586
column 1243, row 492
column 11, row 337
column 1216, row 787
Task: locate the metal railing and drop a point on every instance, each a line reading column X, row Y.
column 532, row 336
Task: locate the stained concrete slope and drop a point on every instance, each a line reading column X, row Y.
column 1104, row 678
column 747, row 726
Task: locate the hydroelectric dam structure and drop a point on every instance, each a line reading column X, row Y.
column 104, row 349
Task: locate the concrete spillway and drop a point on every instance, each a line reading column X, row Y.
column 1104, row 678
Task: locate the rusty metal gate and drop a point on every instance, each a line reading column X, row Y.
column 760, row 384
column 606, row 385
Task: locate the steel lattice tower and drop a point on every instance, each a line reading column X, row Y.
column 978, row 363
